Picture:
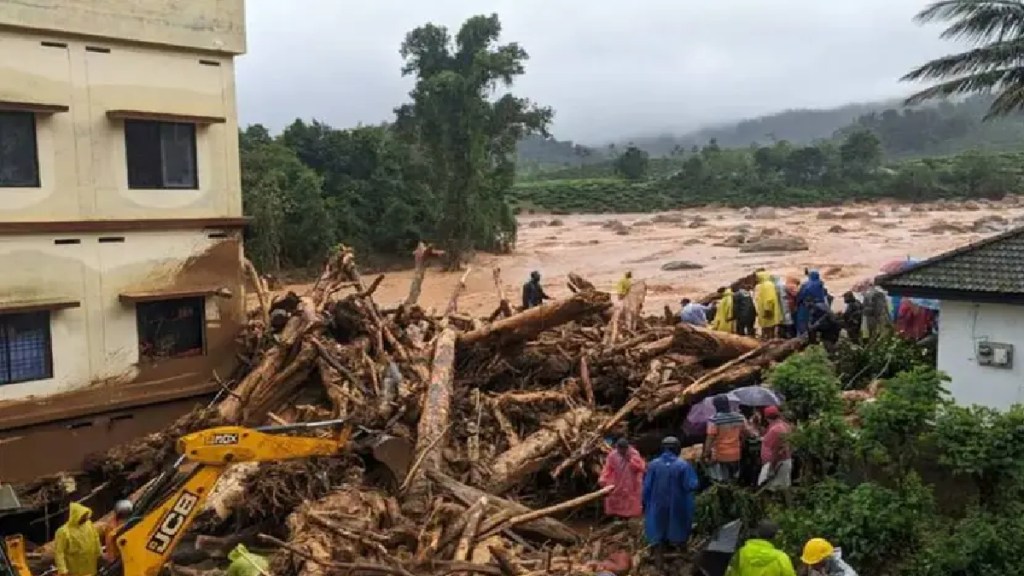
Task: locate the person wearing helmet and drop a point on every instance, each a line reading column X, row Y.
column 823, row 559
column 533, row 294
column 668, row 500
column 122, row 512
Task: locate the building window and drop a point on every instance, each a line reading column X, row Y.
column 19, row 161
column 160, row 154
column 25, row 352
column 171, row 328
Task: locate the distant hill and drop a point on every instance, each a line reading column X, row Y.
column 941, row 129
column 796, row 126
column 934, row 129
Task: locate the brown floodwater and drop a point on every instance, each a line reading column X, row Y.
column 845, row 243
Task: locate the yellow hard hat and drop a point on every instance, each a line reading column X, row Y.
column 816, row 550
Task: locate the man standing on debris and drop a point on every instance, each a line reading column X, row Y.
column 853, row 317
column 624, row 284
column 759, row 557
column 811, row 292
column 624, row 469
column 769, row 308
column 76, row 547
column 724, row 319
column 723, row 446
column 876, row 311
column 824, row 325
column 744, row 311
column 122, row 512
column 668, row 500
column 693, row 313
column 785, row 330
column 533, row 294
column 776, row 455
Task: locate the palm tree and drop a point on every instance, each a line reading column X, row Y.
column 996, row 62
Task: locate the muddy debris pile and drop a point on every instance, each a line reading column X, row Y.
column 482, row 436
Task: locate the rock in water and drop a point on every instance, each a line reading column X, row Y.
column 765, row 213
column 680, row 265
column 777, row 244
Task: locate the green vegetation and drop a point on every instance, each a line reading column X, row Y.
column 439, row 173
column 995, row 30
column 918, row 486
column 783, row 174
column 632, row 164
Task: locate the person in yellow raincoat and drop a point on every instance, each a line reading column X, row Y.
column 724, row 320
column 766, row 300
column 624, row 284
column 245, row 563
column 77, row 544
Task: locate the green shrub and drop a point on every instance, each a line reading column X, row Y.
column 872, row 524
column 808, row 383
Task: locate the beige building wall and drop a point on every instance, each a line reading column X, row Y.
column 85, row 247
column 93, row 332
column 82, row 151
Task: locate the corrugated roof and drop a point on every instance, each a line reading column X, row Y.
column 993, row 266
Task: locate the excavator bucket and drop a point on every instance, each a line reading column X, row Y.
column 13, row 561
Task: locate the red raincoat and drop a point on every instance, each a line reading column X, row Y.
column 627, row 475
column 913, row 322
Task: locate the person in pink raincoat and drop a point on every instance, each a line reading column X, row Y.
column 624, row 469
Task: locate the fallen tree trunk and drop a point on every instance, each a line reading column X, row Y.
column 422, row 252
column 731, row 374
column 710, row 344
column 545, row 527
column 529, row 323
column 747, row 282
column 435, row 413
column 532, row 454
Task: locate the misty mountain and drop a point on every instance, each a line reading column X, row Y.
column 802, row 126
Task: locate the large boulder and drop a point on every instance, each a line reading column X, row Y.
column 680, row 265
column 765, row 213
column 776, row 244
column 669, row 218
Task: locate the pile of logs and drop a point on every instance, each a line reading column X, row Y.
column 508, row 419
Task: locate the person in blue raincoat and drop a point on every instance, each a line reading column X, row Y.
column 668, row 500
column 814, row 289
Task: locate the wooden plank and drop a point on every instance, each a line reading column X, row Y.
column 165, row 294
column 33, row 107
column 164, row 117
column 26, row 306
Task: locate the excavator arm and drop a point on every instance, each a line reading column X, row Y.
column 147, row 540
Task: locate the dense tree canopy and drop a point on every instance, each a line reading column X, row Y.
column 632, row 164
column 468, row 139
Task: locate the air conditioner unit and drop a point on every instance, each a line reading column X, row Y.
column 995, row 354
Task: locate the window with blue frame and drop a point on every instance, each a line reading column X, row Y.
column 25, row 347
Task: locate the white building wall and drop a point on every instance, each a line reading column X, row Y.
column 962, row 325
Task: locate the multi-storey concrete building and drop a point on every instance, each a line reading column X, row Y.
column 120, row 220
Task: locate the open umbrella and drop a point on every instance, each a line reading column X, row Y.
column 756, row 396
column 699, row 414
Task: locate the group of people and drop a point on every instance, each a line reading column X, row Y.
column 776, row 308
column 663, row 491
column 81, row 548
column 781, row 308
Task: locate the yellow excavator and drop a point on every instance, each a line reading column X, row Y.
column 168, row 507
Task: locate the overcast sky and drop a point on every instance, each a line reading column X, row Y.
column 609, row 68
